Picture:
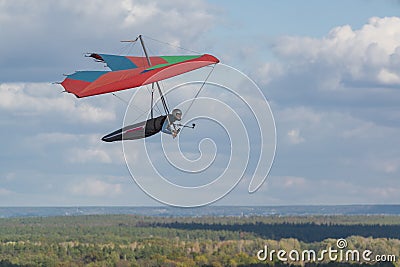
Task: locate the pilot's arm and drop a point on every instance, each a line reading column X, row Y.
column 167, row 128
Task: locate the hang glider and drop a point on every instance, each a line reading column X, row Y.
column 130, row 72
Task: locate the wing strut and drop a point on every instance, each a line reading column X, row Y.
column 166, row 110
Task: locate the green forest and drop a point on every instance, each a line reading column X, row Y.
column 133, row 240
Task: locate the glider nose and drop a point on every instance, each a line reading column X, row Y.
column 106, row 138
column 114, row 136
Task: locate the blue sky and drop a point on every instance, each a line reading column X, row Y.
column 330, row 70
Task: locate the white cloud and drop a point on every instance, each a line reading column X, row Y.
column 5, row 192
column 78, row 151
column 358, row 129
column 315, row 125
column 9, row 176
column 45, row 99
column 50, row 138
column 295, row 182
column 388, row 77
column 269, row 71
column 300, row 113
column 96, row 188
column 139, row 13
column 305, row 190
column 58, row 33
column 388, row 165
column 368, row 55
column 384, row 194
column 294, row 136
column 80, row 155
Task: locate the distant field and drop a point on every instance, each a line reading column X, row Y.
column 127, row 240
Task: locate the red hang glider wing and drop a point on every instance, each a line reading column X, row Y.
column 129, row 72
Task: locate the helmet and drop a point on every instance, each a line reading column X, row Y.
column 177, row 113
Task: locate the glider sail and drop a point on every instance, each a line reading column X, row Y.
column 130, row 72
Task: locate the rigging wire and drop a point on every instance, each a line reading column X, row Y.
column 120, row 98
column 163, row 99
column 189, row 50
column 155, row 105
column 127, row 103
column 144, row 62
column 201, row 88
column 128, row 48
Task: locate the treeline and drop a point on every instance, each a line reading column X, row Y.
column 6, row 263
column 306, row 232
column 174, row 252
column 123, row 240
column 106, row 228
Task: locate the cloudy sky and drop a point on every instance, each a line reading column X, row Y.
column 330, row 70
